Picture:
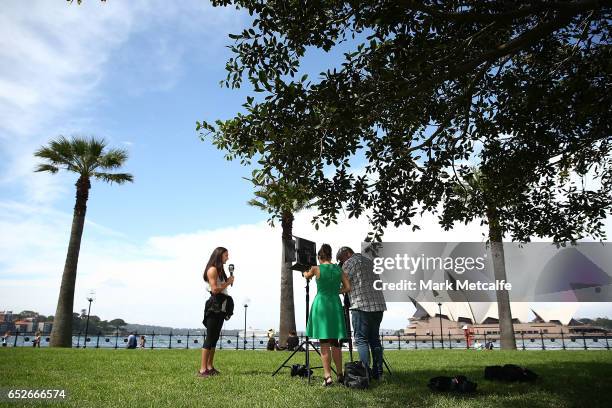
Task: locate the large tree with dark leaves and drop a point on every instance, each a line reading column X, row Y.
column 428, row 90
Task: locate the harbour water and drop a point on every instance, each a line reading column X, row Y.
column 231, row 341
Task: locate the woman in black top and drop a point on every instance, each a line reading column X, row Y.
column 217, row 280
column 292, row 341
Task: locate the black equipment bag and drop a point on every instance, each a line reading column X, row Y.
column 462, row 385
column 440, row 383
column 510, row 373
column 356, row 375
column 300, row 370
column 494, row 373
column 459, row 384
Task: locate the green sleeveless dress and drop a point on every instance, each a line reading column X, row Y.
column 326, row 319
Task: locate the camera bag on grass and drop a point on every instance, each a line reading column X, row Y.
column 356, row 375
column 510, row 373
column 300, row 370
column 459, row 384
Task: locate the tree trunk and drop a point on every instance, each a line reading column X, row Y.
column 287, row 308
column 506, row 328
column 61, row 333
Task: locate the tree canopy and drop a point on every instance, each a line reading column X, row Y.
column 429, row 91
column 88, row 157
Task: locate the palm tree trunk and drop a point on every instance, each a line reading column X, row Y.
column 287, row 308
column 61, row 333
column 506, row 328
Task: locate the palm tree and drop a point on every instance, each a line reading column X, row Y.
column 475, row 195
column 87, row 158
column 283, row 199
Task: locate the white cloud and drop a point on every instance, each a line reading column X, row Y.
column 54, row 56
column 51, row 59
column 159, row 281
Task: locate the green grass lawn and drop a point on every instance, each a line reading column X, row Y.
column 151, row 378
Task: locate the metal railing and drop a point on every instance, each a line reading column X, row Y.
column 524, row 341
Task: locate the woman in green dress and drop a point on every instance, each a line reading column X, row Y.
column 326, row 319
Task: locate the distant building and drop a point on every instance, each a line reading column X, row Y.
column 6, row 316
column 482, row 318
column 45, row 327
column 25, row 325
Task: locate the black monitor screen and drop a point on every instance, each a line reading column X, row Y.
column 305, row 252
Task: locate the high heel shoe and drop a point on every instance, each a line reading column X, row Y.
column 327, row 381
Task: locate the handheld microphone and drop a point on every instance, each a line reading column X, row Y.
column 231, row 271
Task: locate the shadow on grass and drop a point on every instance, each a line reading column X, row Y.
column 560, row 384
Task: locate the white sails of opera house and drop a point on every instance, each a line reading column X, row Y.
column 487, row 312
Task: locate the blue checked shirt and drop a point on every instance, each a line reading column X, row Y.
column 364, row 297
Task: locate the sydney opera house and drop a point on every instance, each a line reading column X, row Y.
column 482, row 318
column 543, row 272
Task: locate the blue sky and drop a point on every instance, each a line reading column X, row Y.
column 156, row 79
column 140, row 74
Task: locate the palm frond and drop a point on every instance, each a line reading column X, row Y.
column 281, row 195
column 96, row 147
column 85, row 151
column 58, row 152
column 79, row 146
column 118, row 178
column 258, row 204
column 47, row 167
column 83, row 156
column 50, row 155
column 113, row 159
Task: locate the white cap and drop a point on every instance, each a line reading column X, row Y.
column 464, row 327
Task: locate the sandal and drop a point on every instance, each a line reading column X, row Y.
column 327, row 381
column 340, row 378
column 204, row 374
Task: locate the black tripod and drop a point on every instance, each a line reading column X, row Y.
column 347, row 322
column 305, row 345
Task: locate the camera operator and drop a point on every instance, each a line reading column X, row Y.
column 367, row 307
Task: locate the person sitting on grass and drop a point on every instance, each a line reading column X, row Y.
column 271, row 344
column 293, row 341
column 326, row 321
column 131, row 343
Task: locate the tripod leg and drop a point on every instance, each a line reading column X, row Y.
column 315, row 349
column 289, row 358
column 387, row 365
column 308, row 359
column 347, row 323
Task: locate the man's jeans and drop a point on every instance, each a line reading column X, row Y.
column 366, row 326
